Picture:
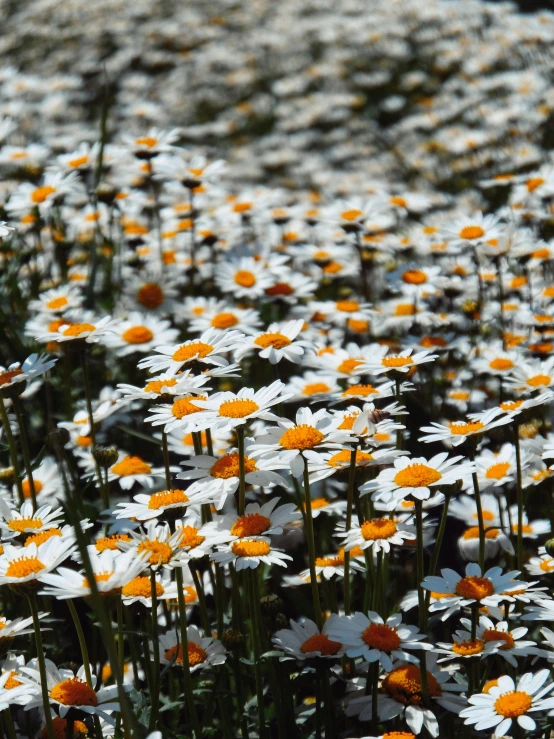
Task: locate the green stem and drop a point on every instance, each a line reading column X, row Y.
column 82, row 641
column 254, row 602
column 13, row 450
column 519, row 548
column 25, row 450
column 349, row 507
column 155, row 691
column 32, row 598
column 187, row 679
column 88, row 397
column 480, row 518
column 420, row 569
column 242, row 481
column 311, row 548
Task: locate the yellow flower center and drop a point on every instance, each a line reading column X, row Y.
column 414, row 277
column 417, row 476
column 471, row 232
column 6, row 377
column 150, row 295
column 183, row 407
column 194, row 350
column 432, row 341
column 252, row 524
column 155, row 386
column 166, row 498
column 189, row 537
column 404, row 309
column 160, row 551
column 468, row 648
column 460, row 428
column 404, row 685
column 363, row 390
column 378, row 528
column 473, row 533
column 141, row 587
column 347, row 306
column 301, row 437
column 196, row 654
column 12, row 681
column 320, row 643
column 238, row 408
column 224, row 320
column 497, row 471
column 137, row 335
column 547, row 565
column 494, row 635
column 539, row 380
column 317, row 503
column 314, row 388
column 23, row 567
column 74, row 692
column 42, row 537
column 41, row 193
column 250, row 548
column 57, row 303
column 21, row 524
column 78, row 328
column 459, row 395
column 398, row 735
column 395, row 361
column 131, row 465
column 78, row 162
column 358, row 326
column 228, row 466
column 381, row 636
column 280, row 288
column 276, row 340
column 110, row 542
column 351, row 215
column 514, row 704
column 533, row 183
column 331, row 561
column 501, row 363
column 349, row 365
column 244, row 278
column 474, row 587
column 147, row 141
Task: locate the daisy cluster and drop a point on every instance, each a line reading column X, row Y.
column 277, row 459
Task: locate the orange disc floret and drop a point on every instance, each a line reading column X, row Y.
column 131, row 465
column 539, row 380
column 474, row 587
column 12, row 681
column 461, row 428
column 250, row 548
column 381, row 636
column 184, row 407
column 228, row 466
column 471, row 232
column 60, row 728
column 155, row 386
column 378, row 528
column 396, row 361
column 351, row 215
column 343, row 458
column 347, row 306
column 141, row 587
column 196, row 654
column 193, row 350
column 137, row 335
column 347, row 366
column 358, row 326
column 514, row 704
column 276, row 340
column 322, row 644
column 23, row 567
column 468, row 648
column 224, row 320
column 317, row 503
column 473, row 533
column 57, row 303
column 21, row 524
column 111, row 542
column 189, row 537
column 433, row 342
column 497, row 471
column 414, row 277
column 245, row 278
column 238, row 408
column 501, row 363
column 404, row 685
column 280, row 288
column 6, row 377
column 363, row 390
column 315, row 388
column 399, row 735
column 150, row 295
column 417, row 476
column 42, row 536
column 301, row 437
column 331, row 561
column 160, row 551
column 165, row 498
column 252, row 524
column 74, row 692
column 41, row 193
column 502, row 636
column 78, row 328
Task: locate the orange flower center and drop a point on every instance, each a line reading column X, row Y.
column 317, row 503
column 228, row 466
column 160, row 551
column 474, row 587
column 21, row 524
column 336, row 561
column 23, row 567
column 244, row 278
column 349, row 365
column 501, row 363
column 57, row 303
column 431, row 341
column 150, row 295
column 137, row 335
column 417, row 476
column 78, row 328
column 539, row 380
column 301, row 437
column 514, row 704
column 394, row 361
column 155, row 386
column 12, row 681
column 280, row 288
column 351, row 215
column 224, row 320
column 494, row 635
column 110, row 542
column 472, row 232
column 253, row 524
column 238, row 408
column 74, row 692
column 276, row 340
column 363, row 390
column 533, row 183
column 342, row 458
column 167, row 498
column 131, row 465
column 497, row 471
column 250, row 548
column 473, row 533
column 404, row 309
column 347, row 306
column 414, row 277
column 320, row 643
column 314, row 388
column 41, row 193
column 381, row 636
column 189, row 537
column 141, row 587
column 183, row 407
column 196, row 654
column 42, row 537
column 147, row 141
column 378, row 528
column 404, row 685
column 468, row 648
column 78, row 162
column 461, row 428
column 194, row 350
column 399, row 735
column 6, row 377
column 358, row 327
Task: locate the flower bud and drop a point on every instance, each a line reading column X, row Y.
column 232, row 639
column 271, row 605
column 106, row 456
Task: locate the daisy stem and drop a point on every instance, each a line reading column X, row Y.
column 398, row 394
column 166, row 460
column 420, row 570
column 8, row 718
column 82, row 641
column 349, row 507
column 13, row 450
column 479, row 507
column 311, row 548
column 187, row 680
column 199, row 587
column 436, row 551
column 254, row 605
column 501, row 301
column 25, row 450
column 155, row 691
column 32, row 598
column 375, row 596
column 242, row 481
column 363, row 265
column 88, row 397
column 519, row 546
column 209, row 443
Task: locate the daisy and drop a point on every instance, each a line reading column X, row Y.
column 498, row 468
column 332, row 564
column 221, row 316
column 530, row 529
column 184, row 414
column 375, row 640
column 47, row 481
column 416, row 477
column 458, row 591
column 26, row 520
column 209, row 349
column 473, row 230
column 228, row 410
column 55, row 186
column 67, row 690
column 184, row 383
column 198, row 539
column 333, row 462
column 139, row 589
column 378, row 533
column 258, row 520
column 147, row 506
column 370, row 392
column 532, row 376
column 140, row 333
column 9, row 629
column 19, row 566
column 541, row 565
column 158, row 543
column 244, row 278
column 130, row 469
column 457, row 432
column 465, row 509
column 91, row 330
column 381, row 362
column 32, row 367
column 293, row 443
column 304, row 641
column 277, row 343
column 192, row 173
column 153, row 143
column 311, row 385
column 203, row 651
column 495, row 540
column 249, row 553
column 495, row 361
column 505, row 701
column 57, row 300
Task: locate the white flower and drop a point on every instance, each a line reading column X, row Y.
column 305, row 641
column 457, row 432
column 209, row 348
column 277, row 343
column 19, row 565
column 203, row 651
column 249, row 553
column 32, row 367
column 227, row 410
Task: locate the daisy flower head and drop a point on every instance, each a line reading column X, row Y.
column 24, row 566
column 250, row 553
column 311, row 386
column 199, row 539
column 184, row 414
column 334, row 462
column 505, row 702
column 332, row 565
column 533, row 376
column 34, row 366
column 90, row 330
column 495, row 469
column 152, row 505
column 378, row 533
column 258, row 520
column 227, row 410
column 305, row 641
column 375, row 640
column 57, row 300
column 157, row 543
column 495, row 541
column 139, row 589
column 456, row 432
column 473, row 230
column 203, row 651
column 183, row 383
column 140, row 333
column 416, row 477
column 130, row 469
column 370, row 392
column 464, row 508
column 26, row 520
column 277, row 343
column 529, row 529
column 153, row 143
column 54, row 188
column 244, row 278
column 209, row 349
column 497, row 361
column 406, row 362
column 294, row 443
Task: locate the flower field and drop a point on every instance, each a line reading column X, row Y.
column 277, row 370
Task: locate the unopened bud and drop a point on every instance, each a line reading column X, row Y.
column 549, row 547
column 106, row 456
column 56, row 438
column 271, row 605
column 232, row 639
